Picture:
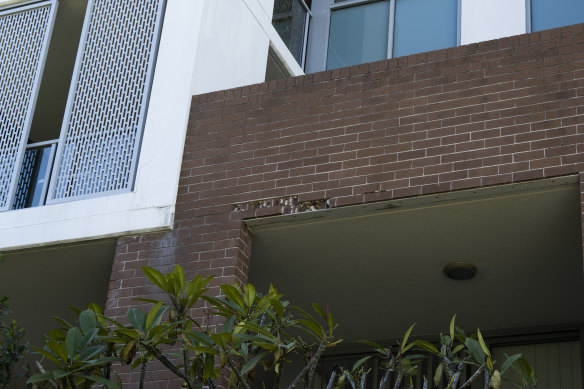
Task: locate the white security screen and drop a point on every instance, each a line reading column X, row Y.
column 24, row 36
column 102, row 128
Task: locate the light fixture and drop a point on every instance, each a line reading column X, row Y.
column 460, row 271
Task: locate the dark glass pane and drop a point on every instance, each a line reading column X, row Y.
column 358, row 35
column 546, row 14
column 424, row 25
column 289, row 20
column 34, row 173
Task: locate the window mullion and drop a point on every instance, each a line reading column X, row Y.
column 391, row 29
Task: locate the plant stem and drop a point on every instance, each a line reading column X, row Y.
column 398, row 379
column 312, row 361
column 167, row 363
column 385, row 378
column 487, row 379
column 351, row 381
column 474, row 376
column 235, row 370
column 331, row 380
column 458, row 374
column 143, row 373
column 363, row 380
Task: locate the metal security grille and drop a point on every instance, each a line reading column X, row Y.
column 24, row 36
column 102, row 129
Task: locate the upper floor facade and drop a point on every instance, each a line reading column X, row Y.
column 328, row 34
column 95, row 94
column 94, row 104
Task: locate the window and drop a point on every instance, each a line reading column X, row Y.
column 351, row 32
column 422, row 25
column 546, row 14
column 358, row 35
column 290, row 19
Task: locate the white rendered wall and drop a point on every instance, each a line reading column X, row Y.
column 233, row 46
column 483, row 20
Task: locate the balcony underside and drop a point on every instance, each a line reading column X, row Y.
column 379, row 267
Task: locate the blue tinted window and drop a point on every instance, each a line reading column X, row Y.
column 424, row 25
column 358, row 35
column 547, row 14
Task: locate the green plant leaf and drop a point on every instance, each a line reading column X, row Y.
column 155, row 314
column 249, row 365
column 457, row 349
column 36, row 378
column 482, row 343
column 58, row 349
column 249, row 293
column 318, row 309
column 155, row 277
column 359, row 363
column 130, row 333
column 525, row 366
column 87, row 320
column 180, row 275
column 312, row 326
column 72, row 340
column 222, row 339
column 137, row 318
column 452, row 327
column 427, row 346
column 233, row 294
column 407, row 335
column 376, row 347
column 438, row 374
column 228, row 325
column 50, row 356
column 476, row 350
column 206, row 350
column 62, row 322
column 101, row 380
column 509, row 361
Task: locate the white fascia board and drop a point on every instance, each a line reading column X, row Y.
column 79, row 221
column 276, row 43
column 150, row 207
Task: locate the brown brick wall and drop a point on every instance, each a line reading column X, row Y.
column 484, row 114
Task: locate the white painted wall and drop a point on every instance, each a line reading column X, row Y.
column 232, row 49
column 233, row 46
column 206, row 45
column 268, row 6
column 483, row 20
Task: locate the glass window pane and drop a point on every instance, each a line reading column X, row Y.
column 289, row 20
column 547, row 14
column 424, row 25
column 358, row 35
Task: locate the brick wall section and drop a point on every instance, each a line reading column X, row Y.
column 484, row 114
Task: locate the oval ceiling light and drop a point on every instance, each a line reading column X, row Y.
column 460, row 271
